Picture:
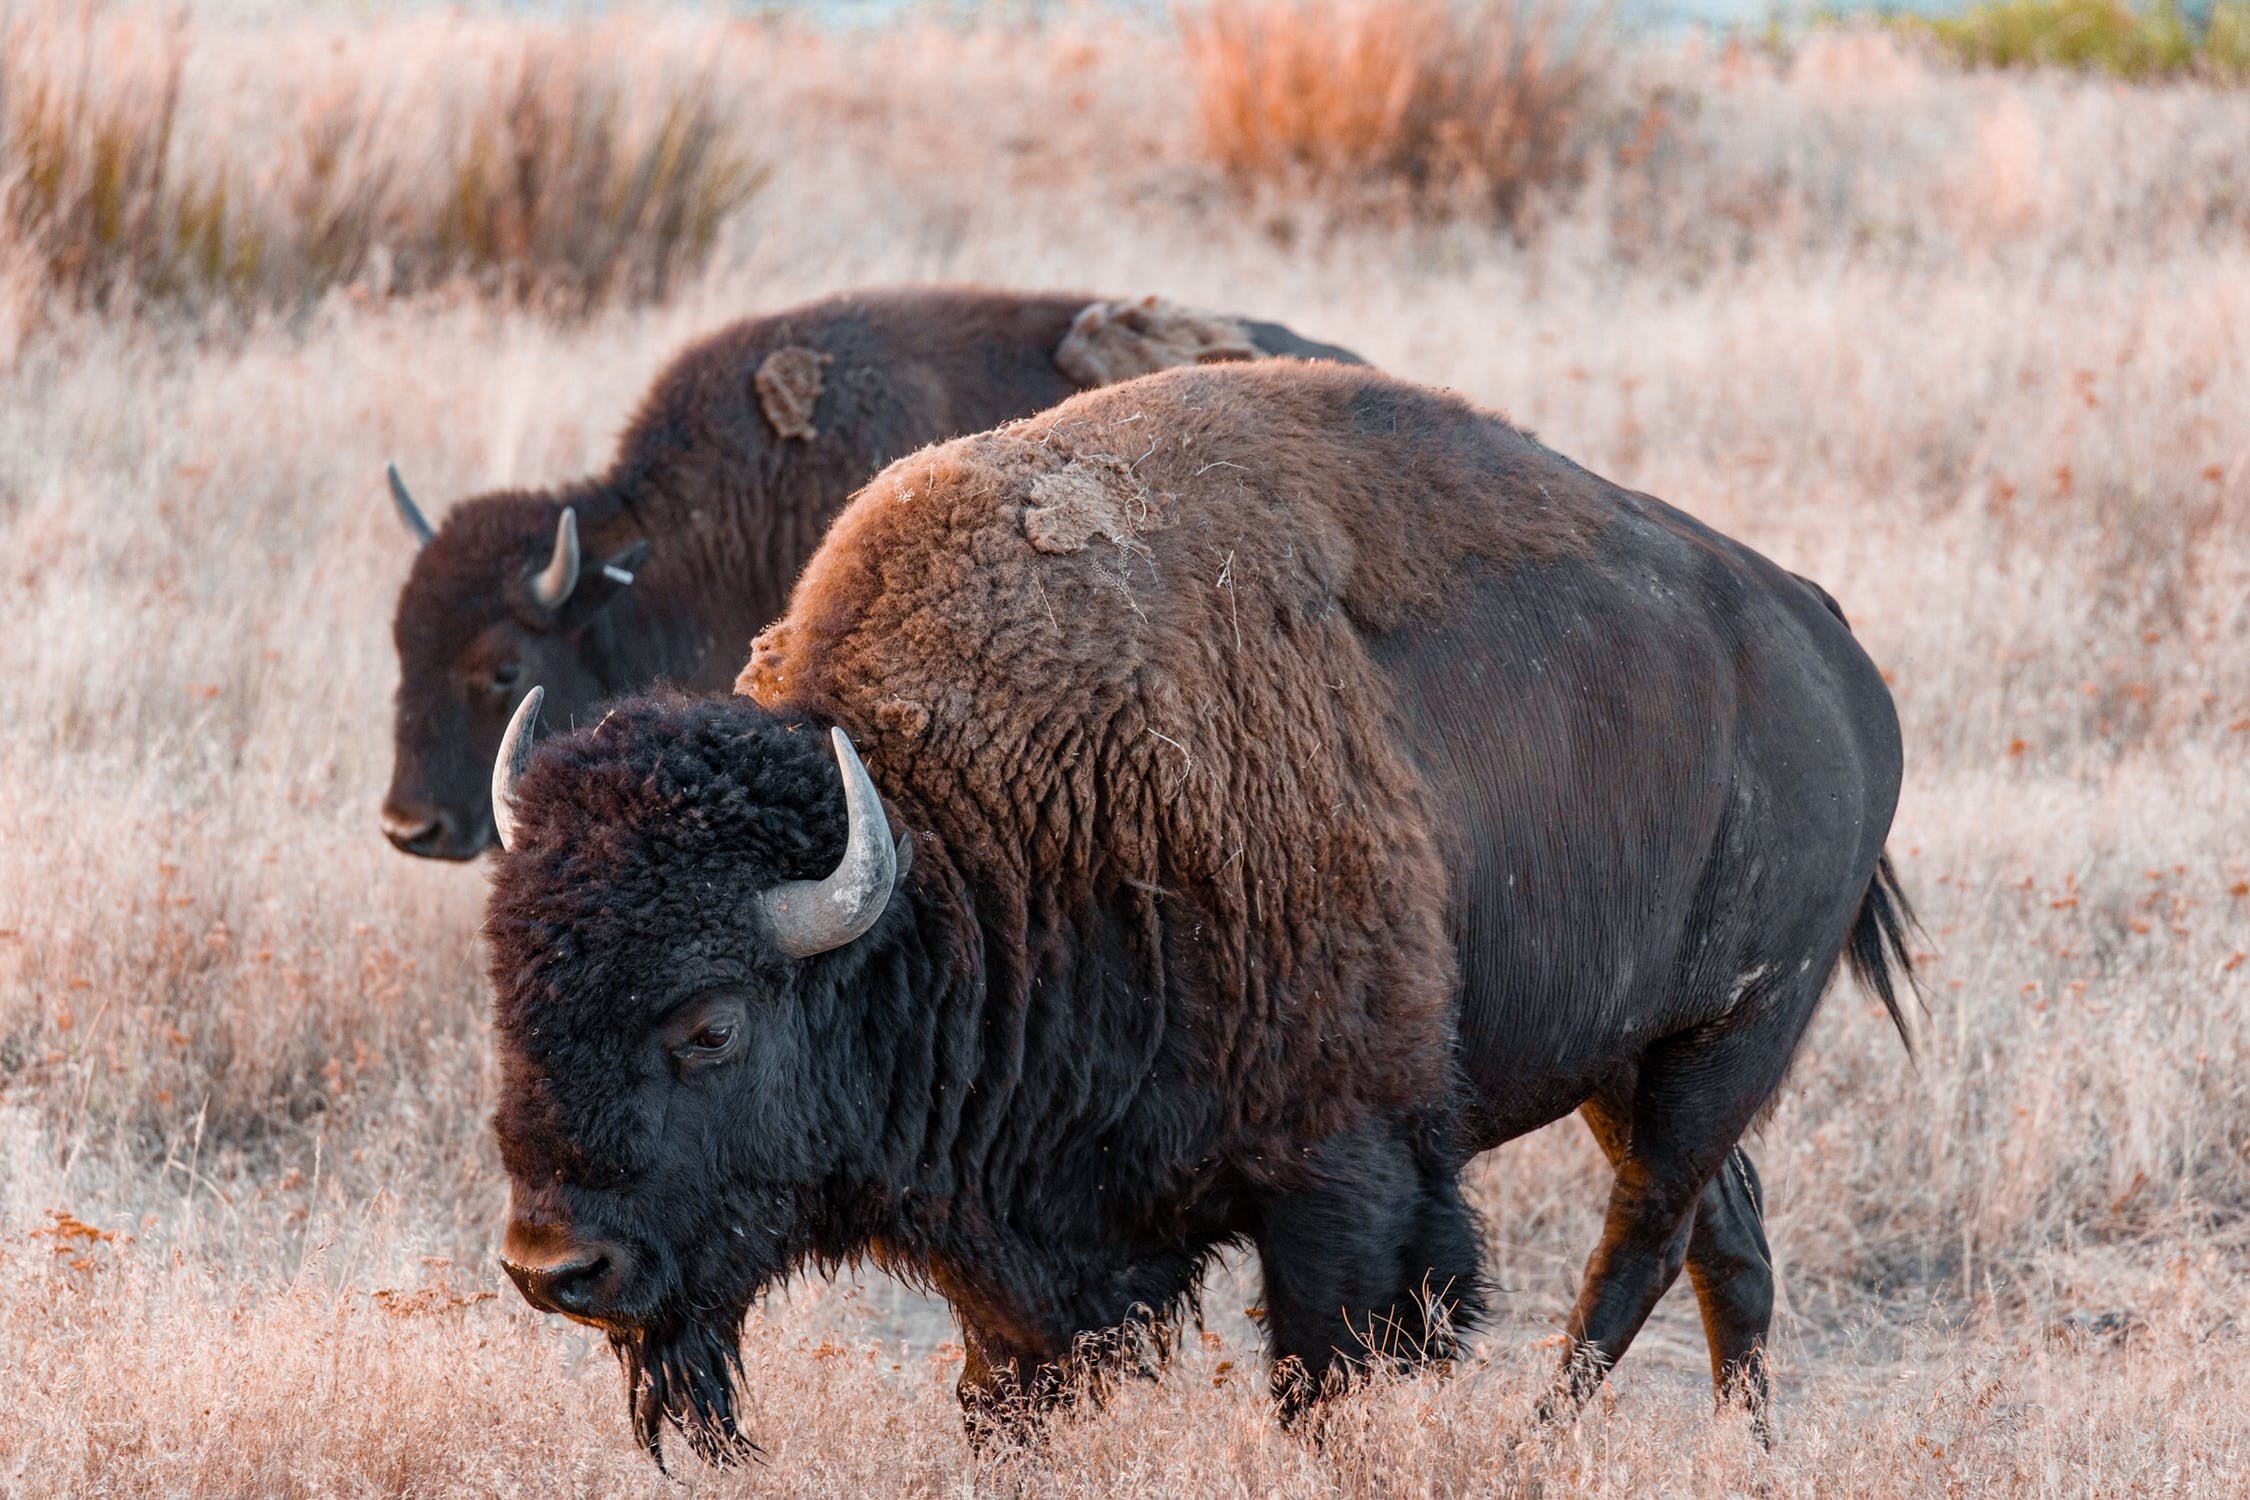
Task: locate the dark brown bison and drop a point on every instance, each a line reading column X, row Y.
column 1304, row 781
column 663, row 568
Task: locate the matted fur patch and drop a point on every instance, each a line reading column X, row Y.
column 1113, row 341
column 1088, row 497
column 789, row 385
column 901, row 718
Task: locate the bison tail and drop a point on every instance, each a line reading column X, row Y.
column 1876, row 949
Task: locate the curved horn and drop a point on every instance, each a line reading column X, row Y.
column 553, row 584
column 515, row 754
column 408, row 511
column 815, row 916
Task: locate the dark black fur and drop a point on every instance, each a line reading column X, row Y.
column 999, row 1175
column 1877, row 951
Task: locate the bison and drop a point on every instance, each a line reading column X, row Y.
column 1302, row 781
column 664, row 567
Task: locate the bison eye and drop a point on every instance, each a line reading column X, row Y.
column 705, row 1034
column 710, row 1040
column 505, row 675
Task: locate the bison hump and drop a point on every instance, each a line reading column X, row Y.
column 1113, row 341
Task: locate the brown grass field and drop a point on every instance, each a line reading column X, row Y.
column 1972, row 349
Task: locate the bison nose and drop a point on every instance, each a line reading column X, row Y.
column 559, row 1274
column 569, row 1287
column 406, row 829
column 431, row 833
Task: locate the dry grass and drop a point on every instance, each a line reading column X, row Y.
column 1492, row 101
column 1972, row 350
column 522, row 167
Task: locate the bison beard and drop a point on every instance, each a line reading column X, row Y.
column 684, row 1373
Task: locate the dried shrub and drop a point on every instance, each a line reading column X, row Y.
column 548, row 191
column 88, row 184
column 545, row 182
column 1451, row 101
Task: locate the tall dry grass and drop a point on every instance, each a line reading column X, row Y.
column 1971, row 350
column 1443, row 101
column 524, row 166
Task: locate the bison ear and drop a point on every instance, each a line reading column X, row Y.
column 597, row 586
column 621, row 566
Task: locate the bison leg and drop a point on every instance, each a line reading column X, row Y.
column 1732, row 1268
column 1375, row 1259
column 1002, row 1394
column 1644, row 1244
column 1692, row 1099
column 1016, row 1371
column 1727, row 1260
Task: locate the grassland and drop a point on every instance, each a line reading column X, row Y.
column 1973, row 350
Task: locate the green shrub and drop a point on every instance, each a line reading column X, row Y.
column 2107, row 36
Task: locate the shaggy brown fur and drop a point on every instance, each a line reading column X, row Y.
column 1220, row 747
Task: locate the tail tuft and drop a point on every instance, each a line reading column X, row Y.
column 1876, row 950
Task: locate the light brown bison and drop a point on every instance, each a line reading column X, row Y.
column 1305, row 781
column 661, row 569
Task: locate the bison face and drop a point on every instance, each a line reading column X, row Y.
column 659, row 1176
column 497, row 601
column 685, row 1093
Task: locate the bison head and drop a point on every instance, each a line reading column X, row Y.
column 499, row 599
column 689, row 909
